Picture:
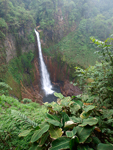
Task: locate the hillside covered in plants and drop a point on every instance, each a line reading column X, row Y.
column 77, row 46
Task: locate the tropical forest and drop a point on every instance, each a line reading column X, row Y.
column 56, row 74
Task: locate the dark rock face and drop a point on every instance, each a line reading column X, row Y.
column 58, row 70
column 34, row 91
column 20, row 42
column 60, row 83
column 59, row 78
column 68, row 89
column 60, row 74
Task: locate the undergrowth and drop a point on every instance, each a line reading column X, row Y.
column 97, row 85
column 69, row 124
column 14, row 117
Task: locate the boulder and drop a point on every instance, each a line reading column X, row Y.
column 69, row 89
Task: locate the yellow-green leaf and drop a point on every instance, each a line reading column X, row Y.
column 85, row 115
column 25, row 133
column 55, row 133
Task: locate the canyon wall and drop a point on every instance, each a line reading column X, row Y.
column 17, row 45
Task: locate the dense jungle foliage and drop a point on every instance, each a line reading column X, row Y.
column 79, row 32
column 57, row 19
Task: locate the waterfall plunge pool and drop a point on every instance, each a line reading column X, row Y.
column 50, row 98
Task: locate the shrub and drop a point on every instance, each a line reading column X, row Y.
column 97, row 83
column 68, row 125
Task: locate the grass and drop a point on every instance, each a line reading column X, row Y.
column 11, row 126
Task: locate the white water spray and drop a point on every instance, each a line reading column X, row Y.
column 46, row 83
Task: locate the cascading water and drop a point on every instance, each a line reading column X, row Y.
column 46, row 83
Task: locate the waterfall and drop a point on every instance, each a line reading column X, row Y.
column 45, row 78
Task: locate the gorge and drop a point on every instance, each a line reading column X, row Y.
column 65, row 31
column 56, row 82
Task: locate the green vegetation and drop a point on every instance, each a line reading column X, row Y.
column 71, row 48
column 4, row 88
column 84, row 19
column 67, row 124
column 14, row 17
column 97, row 83
column 15, row 117
column 83, row 122
column 16, row 23
column 20, row 68
column 3, row 27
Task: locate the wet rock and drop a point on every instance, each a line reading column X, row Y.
column 69, row 89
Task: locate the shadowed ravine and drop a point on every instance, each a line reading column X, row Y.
column 60, row 79
column 46, row 85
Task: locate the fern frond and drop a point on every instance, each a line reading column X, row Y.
column 24, row 119
column 5, row 86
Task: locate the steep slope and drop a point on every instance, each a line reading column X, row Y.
column 74, row 49
column 65, row 26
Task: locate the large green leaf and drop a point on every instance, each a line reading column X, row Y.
column 76, row 120
column 89, row 121
column 81, row 147
column 85, row 115
column 54, row 117
column 57, row 107
column 53, row 106
column 74, row 108
column 102, row 146
column 89, row 107
column 60, row 143
column 55, row 133
column 84, row 132
column 40, row 132
column 25, row 133
column 89, row 140
column 66, row 102
column 54, row 122
column 77, row 102
column 65, row 117
column 44, row 138
column 71, row 133
column 96, row 140
column 73, row 143
column 59, row 95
